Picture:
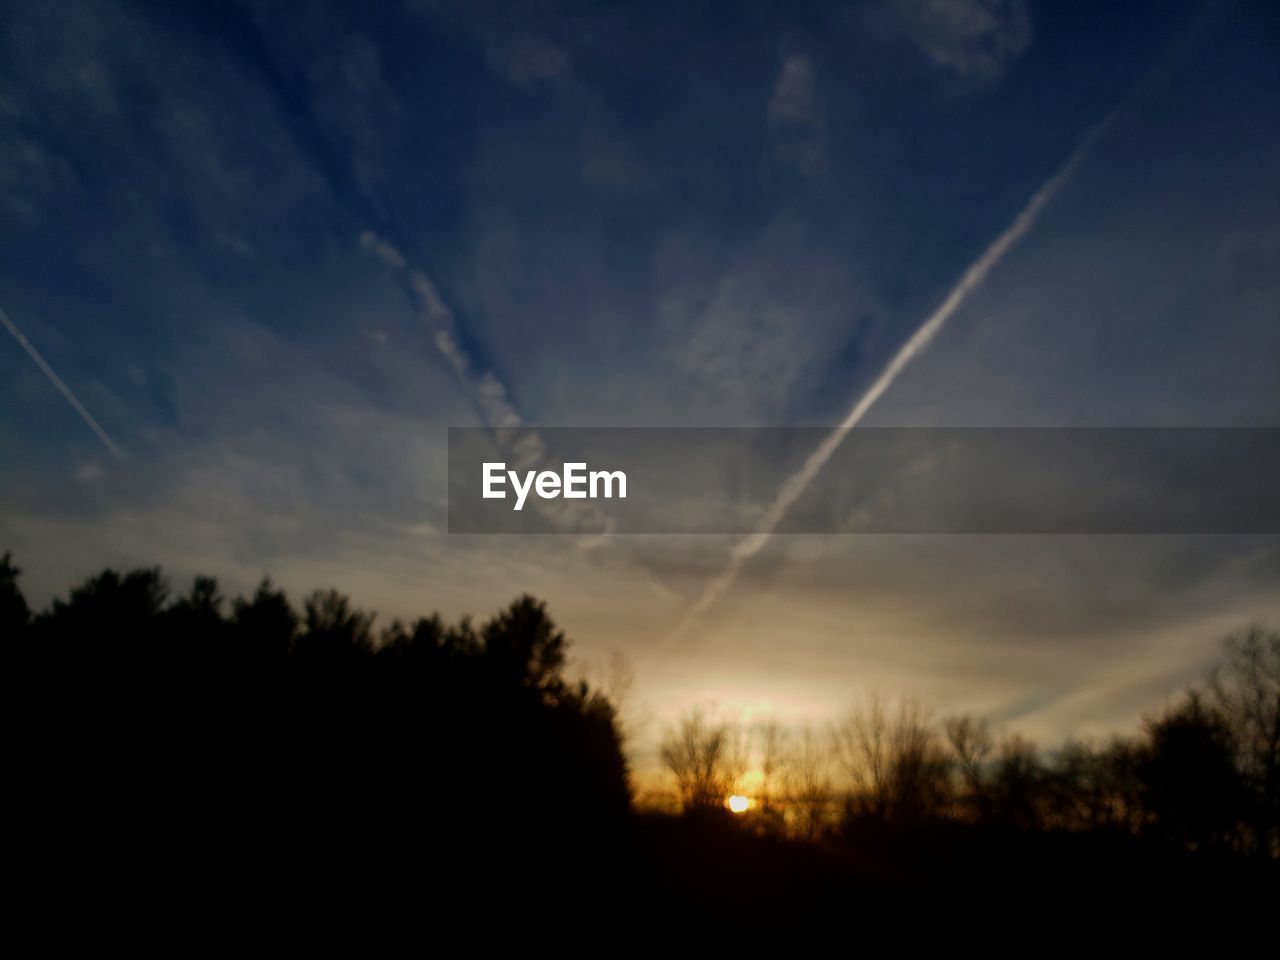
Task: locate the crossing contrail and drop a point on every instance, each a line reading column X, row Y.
column 795, row 485
column 56, row 380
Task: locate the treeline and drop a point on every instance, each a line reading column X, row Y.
column 271, row 755
column 300, row 748
column 1204, row 775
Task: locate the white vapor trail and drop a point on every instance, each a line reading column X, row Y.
column 523, row 442
column 795, row 485
column 56, row 380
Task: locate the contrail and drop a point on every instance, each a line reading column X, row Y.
column 795, row 485
column 489, row 394
column 56, row 380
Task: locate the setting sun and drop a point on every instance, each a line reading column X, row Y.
column 738, row 804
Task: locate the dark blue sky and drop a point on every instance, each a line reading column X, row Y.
column 218, row 221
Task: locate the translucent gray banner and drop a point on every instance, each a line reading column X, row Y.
column 876, row 480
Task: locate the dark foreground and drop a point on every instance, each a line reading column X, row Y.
column 179, row 760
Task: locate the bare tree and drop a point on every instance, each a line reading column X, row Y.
column 920, row 770
column 1017, row 781
column 1245, row 689
column 706, row 759
column 808, row 779
column 772, row 740
column 896, row 765
column 1074, row 787
column 1120, row 785
column 971, row 742
column 615, row 681
column 861, row 746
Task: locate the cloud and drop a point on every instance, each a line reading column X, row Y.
column 796, row 120
column 485, row 388
column 533, row 59
column 793, row 94
column 436, row 310
column 352, row 112
column 611, row 158
column 517, row 46
column 969, row 39
column 30, row 175
column 753, row 324
column 383, row 250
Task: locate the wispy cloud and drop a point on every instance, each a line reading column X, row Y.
column 796, row 118
column 57, row 381
column 973, row 39
column 793, row 94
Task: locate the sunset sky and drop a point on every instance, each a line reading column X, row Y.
column 274, row 251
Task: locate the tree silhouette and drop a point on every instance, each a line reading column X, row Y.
column 14, row 612
column 333, row 631
column 895, row 763
column 312, row 754
column 808, row 782
column 774, row 788
column 310, row 746
column 1017, row 779
column 109, row 620
column 1193, row 791
column 198, row 619
column 523, row 647
column 1245, row 690
column 706, row 760
column 265, row 625
column 970, row 741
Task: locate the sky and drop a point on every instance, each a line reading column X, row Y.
column 273, row 251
